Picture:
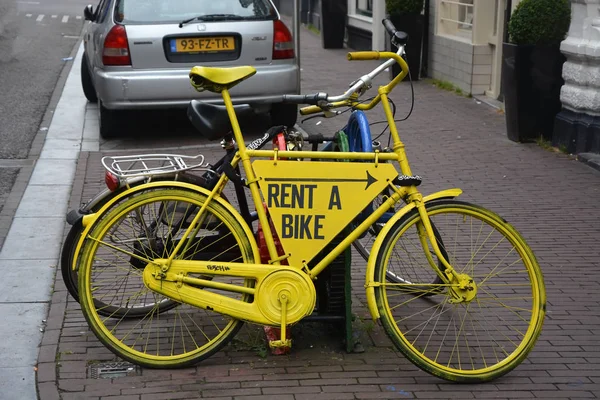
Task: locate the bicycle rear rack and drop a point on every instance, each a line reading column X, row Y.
column 151, row 164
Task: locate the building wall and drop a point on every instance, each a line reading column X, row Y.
column 458, row 60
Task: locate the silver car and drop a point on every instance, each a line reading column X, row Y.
column 138, row 55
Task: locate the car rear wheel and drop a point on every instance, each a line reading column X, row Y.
column 108, row 122
column 86, row 81
column 284, row 114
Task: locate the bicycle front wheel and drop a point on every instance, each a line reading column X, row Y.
column 145, row 227
column 462, row 331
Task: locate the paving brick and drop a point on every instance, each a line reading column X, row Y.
column 351, row 388
column 71, row 385
column 264, row 384
column 46, row 372
column 348, row 374
column 324, row 396
column 48, row 391
column 47, row 353
column 563, row 394
column 174, row 395
column 440, row 395
column 231, row 392
column 156, row 389
column 319, row 382
column 265, row 397
column 291, row 390
column 385, row 395
column 311, row 375
column 240, row 378
column 207, row 386
column 78, row 396
column 314, row 368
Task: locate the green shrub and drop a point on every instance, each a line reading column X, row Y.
column 400, row 7
column 540, row 22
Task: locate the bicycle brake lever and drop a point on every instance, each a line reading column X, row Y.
column 330, row 114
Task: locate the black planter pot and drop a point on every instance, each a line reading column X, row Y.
column 412, row 24
column 531, row 82
column 333, row 23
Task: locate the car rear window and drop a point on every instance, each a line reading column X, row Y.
column 175, row 11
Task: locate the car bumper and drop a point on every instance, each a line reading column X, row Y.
column 141, row 89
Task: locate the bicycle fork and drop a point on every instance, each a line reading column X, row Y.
column 461, row 286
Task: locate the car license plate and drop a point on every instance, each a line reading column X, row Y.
column 204, row 44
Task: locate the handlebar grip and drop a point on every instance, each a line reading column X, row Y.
column 389, row 27
column 363, row 55
column 313, row 99
column 398, row 37
column 310, row 110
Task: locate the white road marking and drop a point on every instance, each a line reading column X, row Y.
column 54, row 16
column 65, row 18
column 28, row 2
column 28, row 15
column 40, row 18
column 78, row 17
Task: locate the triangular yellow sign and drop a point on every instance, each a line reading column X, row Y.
column 310, row 202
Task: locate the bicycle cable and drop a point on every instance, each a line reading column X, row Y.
column 412, row 106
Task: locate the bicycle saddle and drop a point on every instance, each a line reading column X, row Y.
column 216, row 79
column 211, row 120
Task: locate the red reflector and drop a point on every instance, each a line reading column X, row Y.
column 116, row 48
column 112, row 182
column 283, row 42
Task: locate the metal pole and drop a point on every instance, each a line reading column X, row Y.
column 297, row 37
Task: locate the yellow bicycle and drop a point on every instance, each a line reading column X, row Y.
column 479, row 323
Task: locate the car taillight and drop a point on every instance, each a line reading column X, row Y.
column 112, row 181
column 116, row 48
column 283, row 42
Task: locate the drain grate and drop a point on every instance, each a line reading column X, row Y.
column 109, row 370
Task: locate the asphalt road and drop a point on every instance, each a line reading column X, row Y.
column 35, row 36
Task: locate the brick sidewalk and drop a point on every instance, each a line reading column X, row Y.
column 452, row 141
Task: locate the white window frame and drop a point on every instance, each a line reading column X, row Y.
column 358, row 20
column 456, row 19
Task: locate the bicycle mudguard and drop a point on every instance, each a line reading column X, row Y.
column 88, row 220
column 370, row 275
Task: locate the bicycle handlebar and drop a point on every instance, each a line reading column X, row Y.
column 322, row 101
column 314, row 99
column 389, row 26
column 399, row 38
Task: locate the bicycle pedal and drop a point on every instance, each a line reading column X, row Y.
column 405, row 180
column 280, row 343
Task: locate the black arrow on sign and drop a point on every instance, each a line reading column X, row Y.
column 369, row 180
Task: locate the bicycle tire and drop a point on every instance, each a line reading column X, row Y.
column 440, row 351
column 70, row 275
column 183, row 335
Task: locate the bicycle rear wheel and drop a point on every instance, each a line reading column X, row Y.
column 497, row 323
column 144, row 227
